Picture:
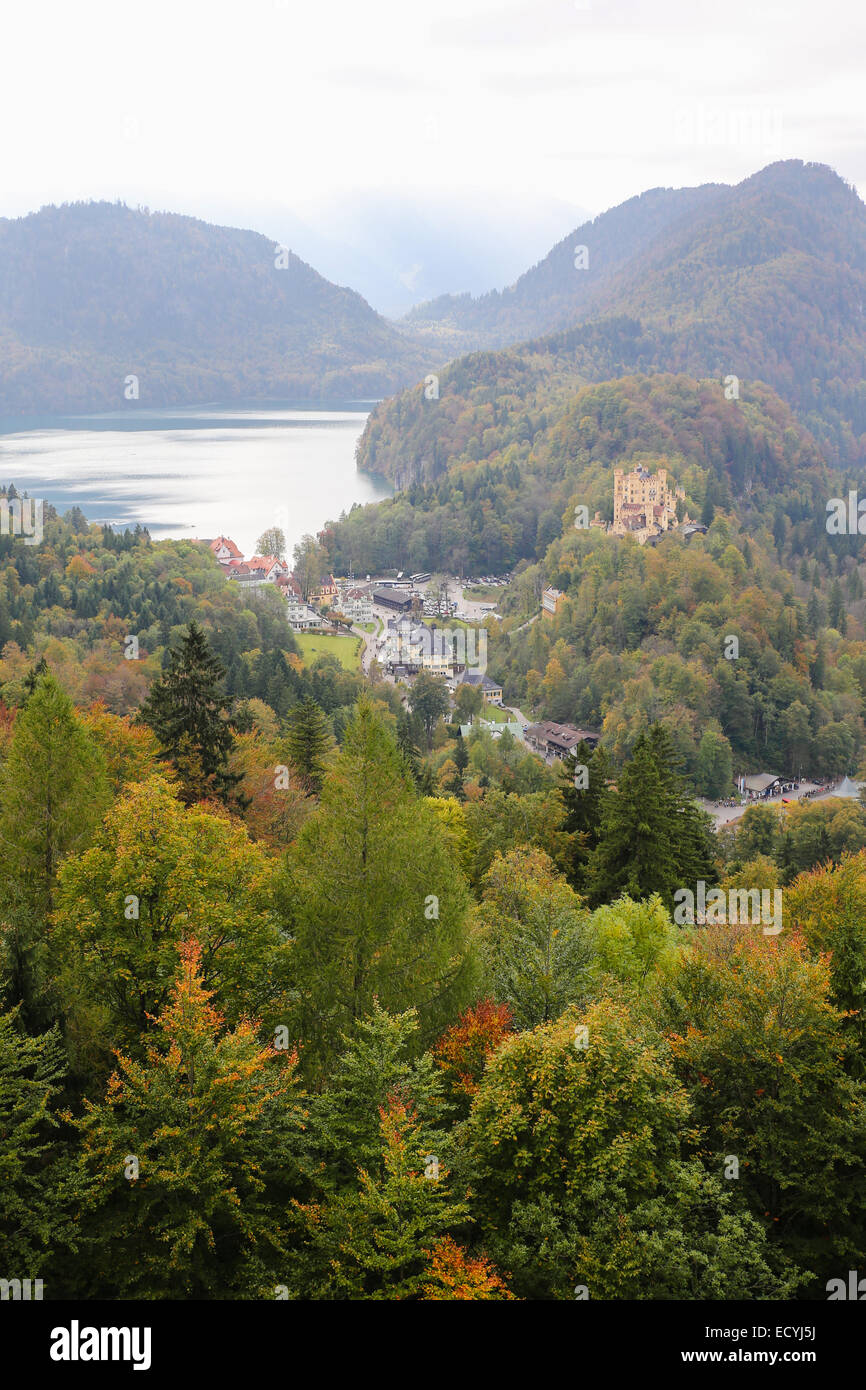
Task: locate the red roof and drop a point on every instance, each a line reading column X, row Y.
column 267, row 562
column 229, row 544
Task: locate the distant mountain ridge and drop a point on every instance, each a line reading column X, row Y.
column 91, row 293
column 554, row 292
column 762, row 282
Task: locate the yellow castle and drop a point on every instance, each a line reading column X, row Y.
column 643, row 503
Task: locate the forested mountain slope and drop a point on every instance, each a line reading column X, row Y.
column 91, row 293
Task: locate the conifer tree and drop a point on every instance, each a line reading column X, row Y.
column 653, row 837
column 53, row 789
column 583, row 787
column 308, row 742
column 378, row 904
column 185, row 711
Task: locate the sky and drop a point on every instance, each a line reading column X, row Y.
column 492, row 122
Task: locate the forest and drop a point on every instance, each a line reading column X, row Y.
column 306, row 996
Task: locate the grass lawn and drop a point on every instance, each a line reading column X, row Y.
column 369, row 627
column 496, row 715
column 346, row 648
column 483, row 591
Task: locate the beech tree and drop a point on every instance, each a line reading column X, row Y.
column 156, row 874
column 188, row 1162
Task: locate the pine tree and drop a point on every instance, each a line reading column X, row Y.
column 185, row 711
column 308, row 742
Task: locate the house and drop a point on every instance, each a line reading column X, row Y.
column 355, row 604
column 551, row 602
column 417, row 647
column 300, row 616
column 224, row 549
column 327, row 589
column 490, row 688
column 558, row 740
column 273, row 567
column 245, row 573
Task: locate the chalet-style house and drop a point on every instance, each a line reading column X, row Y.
column 557, row 740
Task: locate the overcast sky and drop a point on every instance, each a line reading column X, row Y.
column 210, row 107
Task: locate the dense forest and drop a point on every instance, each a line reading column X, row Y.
column 306, row 996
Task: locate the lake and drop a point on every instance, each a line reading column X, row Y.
column 199, row 471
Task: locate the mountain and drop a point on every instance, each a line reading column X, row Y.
column 91, row 293
column 554, row 292
column 764, row 281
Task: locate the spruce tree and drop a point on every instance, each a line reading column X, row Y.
column 653, row 837
column 308, row 741
column 583, row 806
column 185, row 711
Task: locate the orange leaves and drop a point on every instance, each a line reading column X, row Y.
column 455, row 1275
column 463, row 1050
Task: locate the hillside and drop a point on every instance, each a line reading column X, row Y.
column 554, row 293
column 93, row 292
column 765, row 281
column 489, row 515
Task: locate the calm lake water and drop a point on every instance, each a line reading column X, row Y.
column 199, row 471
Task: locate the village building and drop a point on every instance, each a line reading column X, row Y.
column 551, row 602
column 490, row 688
column 554, row 740
column 416, row 647
column 327, row 590
column 355, row 603
column 393, row 598
column 765, row 784
column 299, row 614
column 273, row 567
column 224, row 549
